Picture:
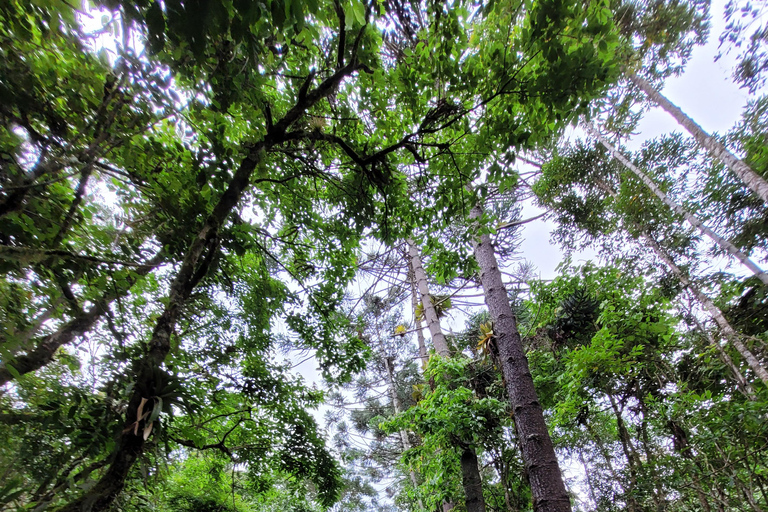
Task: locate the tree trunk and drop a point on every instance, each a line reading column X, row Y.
column 706, row 302
column 744, row 386
column 728, row 331
column 470, row 475
column 398, row 409
column 750, row 178
column 629, row 453
column 473, row 485
column 433, row 323
column 688, row 216
column 547, row 487
column 419, row 327
column 659, row 496
column 590, row 487
column 196, row 263
column 702, row 497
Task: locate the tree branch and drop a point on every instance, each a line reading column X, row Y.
column 521, row 222
column 28, row 256
column 43, row 353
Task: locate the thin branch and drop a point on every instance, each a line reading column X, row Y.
column 521, row 222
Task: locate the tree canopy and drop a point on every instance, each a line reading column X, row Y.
column 223, row 223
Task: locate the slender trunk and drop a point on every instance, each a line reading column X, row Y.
column 715, row 312
column 547, row 486
column 748, row 494
column 722, row 501
column 629, row 453
column 76, row 201
column 417, row 320
column 590, row 487
column 607, row 457
column 744, row 386
column 750, row 178
column 43, row 353
column 658, row 495
column 507, row 498
column 726, row 328
column 688, row 216
column 398, row 409
column 470, row 470
column 702, row 497
column 433, row 323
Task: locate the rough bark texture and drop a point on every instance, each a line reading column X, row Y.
column 688, row 216
column 725, row 327
column 193, row 268
column 750, row 178
column 43, row 353
column 473, row 485
column 547, row 487
column 430, row 315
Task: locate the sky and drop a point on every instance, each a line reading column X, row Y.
column 705, row 91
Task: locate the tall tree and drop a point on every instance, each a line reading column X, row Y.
column 470, row 472
column 692, row 219
column 547, row 487
column 751, row 179
column 592, row 213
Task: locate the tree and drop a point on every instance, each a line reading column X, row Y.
column 628, row 213
column 753, row 180
column 547, row 487
column 193, row 205
column 689, row 217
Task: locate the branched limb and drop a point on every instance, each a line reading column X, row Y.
column 43, row 353
column 79, row 193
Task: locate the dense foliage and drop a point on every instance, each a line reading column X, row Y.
column 226, row 225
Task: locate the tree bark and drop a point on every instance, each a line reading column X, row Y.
column 433, row 323
column 547, row 487
column 659, row 496
column 473, row 485
column 750, row 178
column 694, row 221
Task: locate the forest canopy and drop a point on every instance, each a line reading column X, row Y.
column 265, row 256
